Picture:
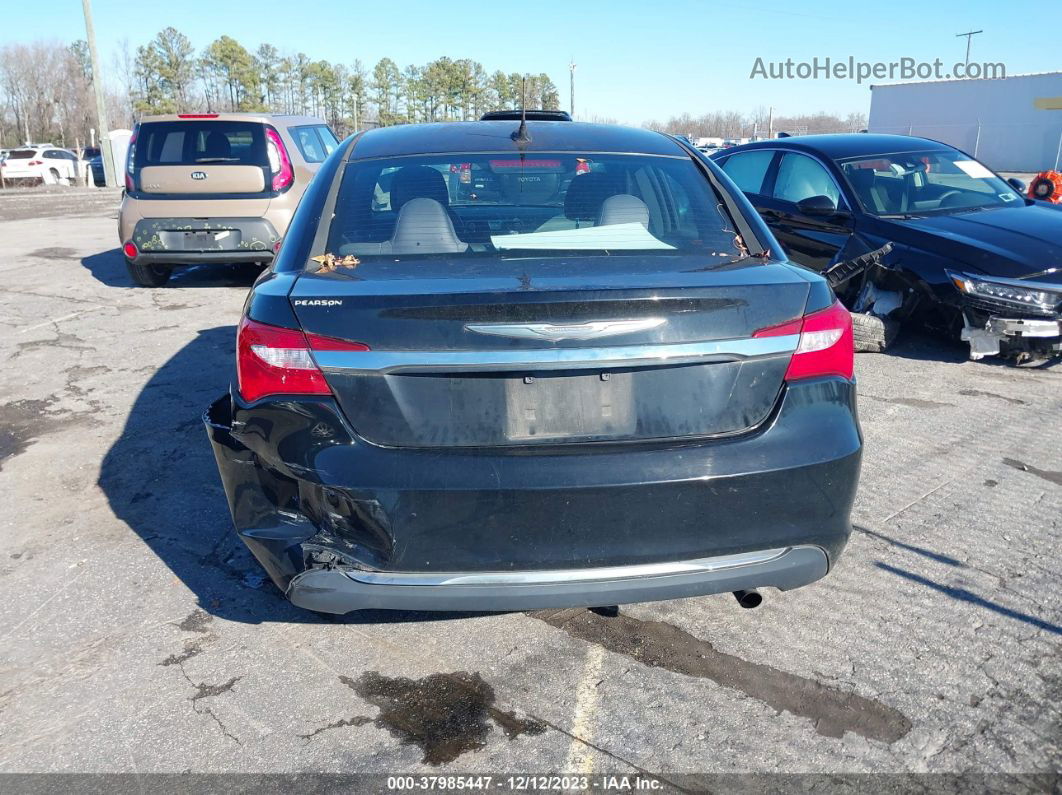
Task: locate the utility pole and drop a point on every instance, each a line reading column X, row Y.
column 969, row 35
column 770, row 122
column 101, row 108
column 571, row 68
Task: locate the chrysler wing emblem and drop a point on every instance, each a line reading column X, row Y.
column 555, row 332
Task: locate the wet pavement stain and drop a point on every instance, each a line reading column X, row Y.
column 24, row 421
column 20, row 424
column 1049, row 475
column 446, row 715
column 54, row 252
column 914, row 403
column 832, row 711
column 196, row 621
column 979, row 393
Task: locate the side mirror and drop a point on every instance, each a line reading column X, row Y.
column 1018, row 185
column 818, row 206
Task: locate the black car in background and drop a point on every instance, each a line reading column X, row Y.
column 94, row 157
column 589, row 385
column 969, row 253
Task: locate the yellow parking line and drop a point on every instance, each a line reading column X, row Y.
column 580, row 755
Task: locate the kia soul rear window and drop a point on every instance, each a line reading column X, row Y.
column 194, row 142
column 539, row 204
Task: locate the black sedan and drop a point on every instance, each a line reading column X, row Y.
column 597, row 383
column 968, row 252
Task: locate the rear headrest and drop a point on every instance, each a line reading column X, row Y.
column 424, row 227
column 623, row 209
column 217, row 145
column 586, row 193
column 413, row 182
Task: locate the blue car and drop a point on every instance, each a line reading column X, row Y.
column 967, row 251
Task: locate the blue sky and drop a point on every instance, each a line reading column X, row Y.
column 636, row 60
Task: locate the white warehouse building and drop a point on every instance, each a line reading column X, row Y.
column 1010, row 124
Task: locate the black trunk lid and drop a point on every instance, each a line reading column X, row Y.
column 516, row 352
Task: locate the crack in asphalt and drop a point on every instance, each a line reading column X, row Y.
column 204, row 690
column 193, row 649
column 357, row 720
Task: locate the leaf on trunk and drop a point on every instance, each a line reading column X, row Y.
column 330, row 262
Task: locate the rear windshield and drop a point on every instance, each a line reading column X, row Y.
column 315, row 141
column 196, row 142
column 540, row 204
column 21, row 154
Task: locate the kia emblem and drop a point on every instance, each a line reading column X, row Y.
column 198, row 175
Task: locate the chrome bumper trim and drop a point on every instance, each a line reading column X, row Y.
column 556, row 358
column 548, row 576
column 1024, row 327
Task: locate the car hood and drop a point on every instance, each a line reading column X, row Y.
column 1013, row 242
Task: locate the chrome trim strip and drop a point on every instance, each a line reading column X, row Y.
column 1025, row 327
column 556, row 358
column 555, row 332
column 556, row 576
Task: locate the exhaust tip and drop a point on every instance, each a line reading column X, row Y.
column 749, row 598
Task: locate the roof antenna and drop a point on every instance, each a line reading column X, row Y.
column 522, row 136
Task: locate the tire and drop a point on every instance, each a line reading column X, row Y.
column 148, row 275
column 55, row 176
column 873, row 334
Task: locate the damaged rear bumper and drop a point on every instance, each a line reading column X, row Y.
column 341, row 525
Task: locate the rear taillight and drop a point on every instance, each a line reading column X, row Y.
column 278, row 361
column 825, row 347
column 129, row 249
column 130, row 156
column 279, row 162
column 35, row 163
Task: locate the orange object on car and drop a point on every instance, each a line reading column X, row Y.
column 1046, row 186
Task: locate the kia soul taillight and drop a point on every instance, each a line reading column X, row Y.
column 279, row 162
column 826, row 346
column 271, row 360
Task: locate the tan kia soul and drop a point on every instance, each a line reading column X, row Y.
column 214, row 187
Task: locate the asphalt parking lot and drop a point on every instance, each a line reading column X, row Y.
column 139, row 636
